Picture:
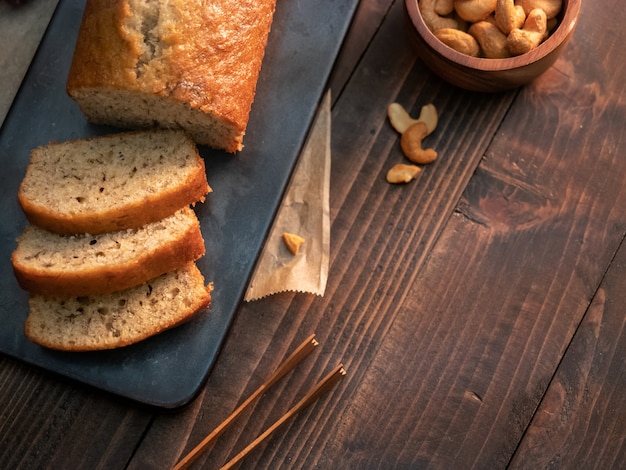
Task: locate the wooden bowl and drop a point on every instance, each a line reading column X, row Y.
column 489, row 75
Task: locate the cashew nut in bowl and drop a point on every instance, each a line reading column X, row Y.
column 493, row 42
column 444, row 7
column 474, row 10
column 494, row 75
column 550, row 7
column 432, row 19
column 458, row 40
column 509, row 15
column 521, row 41
column 411, row 143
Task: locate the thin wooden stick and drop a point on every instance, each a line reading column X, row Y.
column 293, row 360
column 323, row 386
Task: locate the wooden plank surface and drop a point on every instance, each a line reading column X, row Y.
column 581, row 420
column 478, row 310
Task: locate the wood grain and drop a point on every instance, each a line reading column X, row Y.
column 478, row 310
column 581, row 420
column 504, row 288
column 46, row 422
column 373, row 228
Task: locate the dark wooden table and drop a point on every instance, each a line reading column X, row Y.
column 479, row 310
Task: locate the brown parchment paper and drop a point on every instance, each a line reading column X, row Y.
column 304, row 212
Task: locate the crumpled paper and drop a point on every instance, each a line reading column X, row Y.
column 304, row 212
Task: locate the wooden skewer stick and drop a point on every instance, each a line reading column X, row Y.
column 323, row 386
column 293, row 360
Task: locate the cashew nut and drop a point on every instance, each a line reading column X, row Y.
column 550, row 7
column 509, row 16
column 474, row 10
column 413, row 131
column 493, row 42
column 459, row 41
column 432, row 19
column 402, row 173
column 411, row 143
column 428, row 115
column 401, row 120
column 509, row 19
column 292, row 242
column 444, row 7
column 530, row 36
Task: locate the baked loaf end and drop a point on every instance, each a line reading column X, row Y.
column 51, row 264
column 119, row 319
column 177, row 64
column 113, row 182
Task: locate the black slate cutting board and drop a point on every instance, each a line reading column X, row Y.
column 168, row 370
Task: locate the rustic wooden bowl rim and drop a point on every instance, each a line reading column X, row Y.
column 571, row 10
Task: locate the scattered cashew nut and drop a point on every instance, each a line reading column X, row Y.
column 493, row 42
column 474, row 10
column 509, row 16
column 401, row 120
column 413, row 131
column 550, row 7
column 530, row 36
column 428, row 115
column 459, row 41
column 402, row 173
column 411, row 143
column 432, row 19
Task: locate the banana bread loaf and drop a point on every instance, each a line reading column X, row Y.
column 113, row 182
column 108, row 321
column 177, row 64
column 73, row 265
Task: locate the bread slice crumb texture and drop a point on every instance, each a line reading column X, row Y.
column 48, row 263
column 105, row 183
column 99, row 322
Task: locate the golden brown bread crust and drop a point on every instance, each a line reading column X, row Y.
column 107, row 278
column 113, row 327
column 150, row 207
column 134, row 215
column 208, row 57
column 92, row 64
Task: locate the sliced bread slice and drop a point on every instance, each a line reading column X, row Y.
column 118, row 319
column 51, row 264
column 113, row 182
